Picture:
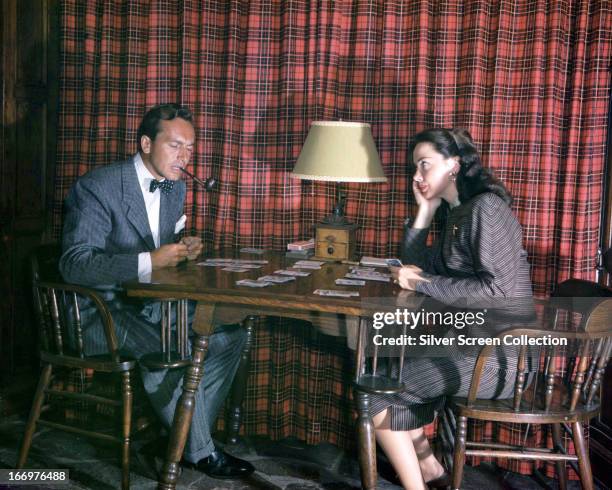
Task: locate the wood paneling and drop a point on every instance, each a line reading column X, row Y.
column 30, row 54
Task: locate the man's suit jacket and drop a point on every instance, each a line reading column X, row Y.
column 106, row 226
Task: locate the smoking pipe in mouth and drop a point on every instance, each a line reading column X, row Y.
column 208, row 184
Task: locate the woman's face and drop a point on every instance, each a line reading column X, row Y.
column 433, row 170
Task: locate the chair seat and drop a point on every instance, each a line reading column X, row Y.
column 532, row 413
column 101, row 362
column 379, row 385
column 158, row 360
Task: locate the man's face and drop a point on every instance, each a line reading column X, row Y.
column 170, row 150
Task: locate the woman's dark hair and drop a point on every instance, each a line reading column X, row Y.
column 149, row 126
column 472, row 178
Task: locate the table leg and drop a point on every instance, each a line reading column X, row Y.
column 202, row 325
column 239, row 385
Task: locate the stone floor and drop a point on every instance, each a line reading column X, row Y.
column 286, row 465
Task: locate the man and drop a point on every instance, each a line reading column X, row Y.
column 122, row 221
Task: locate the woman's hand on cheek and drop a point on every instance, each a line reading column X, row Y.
column 430, row 205
column 427, row 208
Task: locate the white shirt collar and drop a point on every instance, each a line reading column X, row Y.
column 144, row 174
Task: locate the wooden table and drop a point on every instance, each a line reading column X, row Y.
column 213, row 289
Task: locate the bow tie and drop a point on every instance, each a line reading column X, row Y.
column 165, row 186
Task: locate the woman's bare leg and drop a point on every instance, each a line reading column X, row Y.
column 430, row 466
column 399, row 448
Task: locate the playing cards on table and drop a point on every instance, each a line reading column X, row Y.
column 336, row 292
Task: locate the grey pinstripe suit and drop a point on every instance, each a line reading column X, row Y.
column 479, row 257
column 105, row 228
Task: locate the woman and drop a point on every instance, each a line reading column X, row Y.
column 478, row 256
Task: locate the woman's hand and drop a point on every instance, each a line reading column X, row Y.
column 427, row 207
column 407, row 276
column 431, row 204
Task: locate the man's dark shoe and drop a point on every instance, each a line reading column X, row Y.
column 223, row 466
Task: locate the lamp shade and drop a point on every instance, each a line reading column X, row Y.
column 339, row 151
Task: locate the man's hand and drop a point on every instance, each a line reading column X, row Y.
column 168, row 255
column 407, row 276
column 194, row 246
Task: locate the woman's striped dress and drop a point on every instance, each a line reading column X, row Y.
column 478, row 256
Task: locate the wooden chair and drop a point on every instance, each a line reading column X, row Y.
column 57, row 311
column 563, row 403
column 376, row 373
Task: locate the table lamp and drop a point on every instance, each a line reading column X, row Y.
column 338, row 151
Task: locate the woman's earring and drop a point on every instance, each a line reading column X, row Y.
column 452, row 176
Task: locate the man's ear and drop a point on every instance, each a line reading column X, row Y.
column 145, row 143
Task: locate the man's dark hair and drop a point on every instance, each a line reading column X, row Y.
column 149, row 126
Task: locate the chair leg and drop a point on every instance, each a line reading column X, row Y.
column 126, row 428
column 239, row 386
column 559, row 465
column 367, row 442
column 459, row 457
column 584, row 464
column 39, row 396
column 446, row 429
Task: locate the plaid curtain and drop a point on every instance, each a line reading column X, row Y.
column 529, row 78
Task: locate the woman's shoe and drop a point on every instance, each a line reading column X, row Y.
column 443, row 481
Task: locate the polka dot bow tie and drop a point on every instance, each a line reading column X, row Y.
column 165, row 186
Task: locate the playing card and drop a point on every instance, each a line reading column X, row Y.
column 335, row 292
column 358, row 269
column 308, row 267
column 394, row 263
column 246, row 266
column 252, row 284
column 374, row 261
column 288, row 272
column 276, row 279
column 248, row 261
column 380, row 278
column 349, row 282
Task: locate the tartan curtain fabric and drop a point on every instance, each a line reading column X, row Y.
column 529, row 78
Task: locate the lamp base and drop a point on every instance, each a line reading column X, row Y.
column 336, row 217
column 336, row 220
column 335, row 241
